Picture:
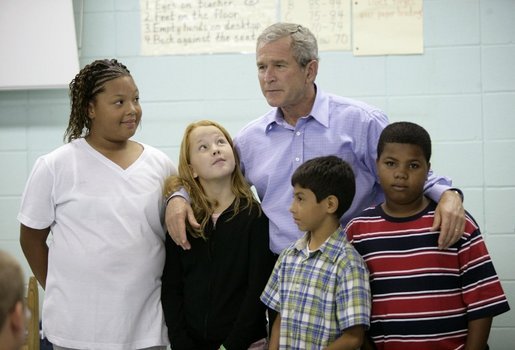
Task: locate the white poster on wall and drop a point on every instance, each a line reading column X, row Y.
column 329, row 20
column 387, row 27
column 203, row 26
column 38, row 47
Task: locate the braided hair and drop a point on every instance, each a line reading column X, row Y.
column 89, row 82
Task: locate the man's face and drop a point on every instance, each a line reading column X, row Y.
column 283, row 81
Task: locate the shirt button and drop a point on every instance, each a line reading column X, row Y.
column 298, row 133
column 297, row 159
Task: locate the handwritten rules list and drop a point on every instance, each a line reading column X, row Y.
column 368, row 27
column 329, row 20
column 203, row 26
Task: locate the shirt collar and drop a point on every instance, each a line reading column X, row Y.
column 319, row 112
column 331, row 248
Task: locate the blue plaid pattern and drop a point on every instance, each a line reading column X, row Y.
column 318, row 295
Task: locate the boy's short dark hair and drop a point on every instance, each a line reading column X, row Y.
column 326, row 176
column 405, row 132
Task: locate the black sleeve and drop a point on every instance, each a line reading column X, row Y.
column 172, row 298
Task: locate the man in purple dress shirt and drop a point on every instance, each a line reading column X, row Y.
column 306, row 122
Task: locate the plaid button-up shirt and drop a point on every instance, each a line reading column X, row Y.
column 319, row 294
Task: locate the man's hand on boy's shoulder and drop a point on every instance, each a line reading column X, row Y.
column 449, row 218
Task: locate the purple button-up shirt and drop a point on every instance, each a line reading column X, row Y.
column 270, row 150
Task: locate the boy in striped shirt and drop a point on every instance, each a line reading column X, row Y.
column 422, row 297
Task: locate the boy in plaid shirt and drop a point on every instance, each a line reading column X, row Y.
column 319, row 285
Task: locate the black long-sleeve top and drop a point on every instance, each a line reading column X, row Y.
column 210, row 293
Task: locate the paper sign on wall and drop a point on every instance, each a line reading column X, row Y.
column 379, row 27
column 382, row 27
column 203, row 26
column 329, row 20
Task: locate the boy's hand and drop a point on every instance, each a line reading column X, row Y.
column 177, row 211
column 449, row 218
column 351, row 339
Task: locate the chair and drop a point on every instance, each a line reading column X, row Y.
column 32, row 300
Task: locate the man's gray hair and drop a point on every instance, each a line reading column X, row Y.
column 304, row 44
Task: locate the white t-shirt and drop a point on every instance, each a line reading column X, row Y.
column 106, row 256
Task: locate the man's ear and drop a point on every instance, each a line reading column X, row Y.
column 332, row 204
column 312, row 70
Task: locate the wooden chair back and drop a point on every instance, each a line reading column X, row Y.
column 32, row 302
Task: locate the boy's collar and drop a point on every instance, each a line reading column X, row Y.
column 331, row 247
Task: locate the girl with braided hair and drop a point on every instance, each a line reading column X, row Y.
column 100, row 197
